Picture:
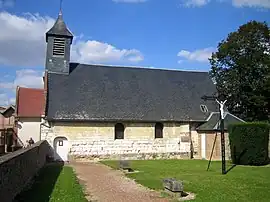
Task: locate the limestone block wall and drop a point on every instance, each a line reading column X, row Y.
column 97, row 140
column 19, row 167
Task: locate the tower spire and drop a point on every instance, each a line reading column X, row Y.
column 59, row 28
column 60, row 9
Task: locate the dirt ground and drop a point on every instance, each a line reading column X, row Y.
column 103, row 184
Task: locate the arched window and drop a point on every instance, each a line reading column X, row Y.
column 119, row 131
column 159, row 130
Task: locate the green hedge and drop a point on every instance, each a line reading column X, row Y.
column 249, row 143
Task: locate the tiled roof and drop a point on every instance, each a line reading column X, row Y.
column 8, row 111
column 30, row 102
column 109, row 93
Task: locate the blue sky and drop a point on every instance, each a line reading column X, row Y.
column 172, row 34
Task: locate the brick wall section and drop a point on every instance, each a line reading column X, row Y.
column 18, row 168
column 96, row 140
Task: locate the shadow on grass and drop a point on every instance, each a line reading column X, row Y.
column 236, row 159
column 228, row 170
column 42, row 185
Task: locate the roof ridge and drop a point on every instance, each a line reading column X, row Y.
column 20, row 87
column 139, row 67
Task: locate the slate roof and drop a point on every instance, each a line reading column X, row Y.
column 59, row 28
column 213, row 123
column 99, row 93
column 30, row 102
column 7, row 111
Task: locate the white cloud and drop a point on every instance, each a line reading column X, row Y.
column 200, row 55
column 235, row 3
column 195, row 3
column 22, row 43
column 29, row 78
column 25, row 78
column 95, row 51
column 129, row 1
column 12, row 100
column 180, row 61
column 251, row 3
column 5, row 100
column 6, row 85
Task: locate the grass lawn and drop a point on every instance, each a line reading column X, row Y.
column 54, row 183
column 242, row 183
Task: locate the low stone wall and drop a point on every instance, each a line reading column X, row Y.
column 18, row 168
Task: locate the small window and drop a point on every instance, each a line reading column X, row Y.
column 119, row 131
column 59, row 47
column 159, row 130
column 60, row 143
column 203, row 108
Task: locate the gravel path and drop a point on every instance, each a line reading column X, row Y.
column 105, row 184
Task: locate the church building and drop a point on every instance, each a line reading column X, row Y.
column 97, row 111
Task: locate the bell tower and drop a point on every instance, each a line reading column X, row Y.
column 59, row 40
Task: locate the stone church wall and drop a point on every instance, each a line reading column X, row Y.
column 96, row 140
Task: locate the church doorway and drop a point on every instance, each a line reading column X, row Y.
column 61, row 148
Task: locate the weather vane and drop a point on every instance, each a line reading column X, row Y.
column 61, row 3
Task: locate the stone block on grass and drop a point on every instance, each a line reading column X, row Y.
column 125, row 165
column 173, row 185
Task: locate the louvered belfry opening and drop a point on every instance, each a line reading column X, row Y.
column 59, row 47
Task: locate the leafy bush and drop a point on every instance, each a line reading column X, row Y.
column 249, row 143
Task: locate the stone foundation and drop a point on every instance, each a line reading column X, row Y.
column 142, row 156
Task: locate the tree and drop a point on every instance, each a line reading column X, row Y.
column 241, row 70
